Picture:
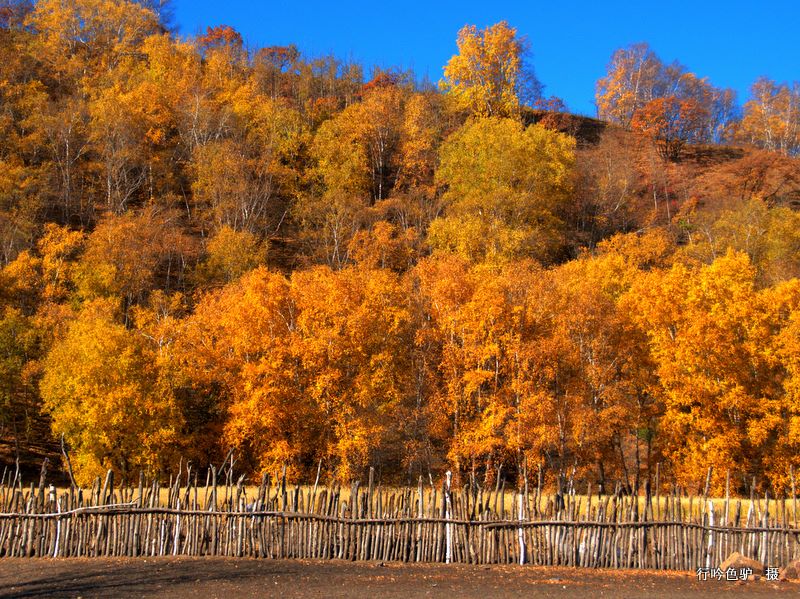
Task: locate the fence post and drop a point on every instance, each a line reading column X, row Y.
column 764, row 536
column 710, row 549
column 176, row 541
column 420, row 514
column 611, row 536
column 794, row 495
column 750, row 512
column 58, row 528
column 520, row 531
column 448, row 515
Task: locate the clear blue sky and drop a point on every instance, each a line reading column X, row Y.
column 730, row 42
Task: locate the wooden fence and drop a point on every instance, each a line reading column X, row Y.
column 427, row 523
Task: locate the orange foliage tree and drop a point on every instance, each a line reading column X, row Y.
column 672, row 122
column 304, row 369
column 712, row 335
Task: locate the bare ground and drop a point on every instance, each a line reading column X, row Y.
column 206, row 578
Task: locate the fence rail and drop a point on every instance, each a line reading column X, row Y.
column 429, row 523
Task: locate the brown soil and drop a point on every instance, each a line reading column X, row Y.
column 207, row 578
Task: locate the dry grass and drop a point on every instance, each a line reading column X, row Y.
column 692, row 508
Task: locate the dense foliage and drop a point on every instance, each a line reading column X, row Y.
column 205, row 247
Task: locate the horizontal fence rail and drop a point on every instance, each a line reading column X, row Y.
column 428, row 523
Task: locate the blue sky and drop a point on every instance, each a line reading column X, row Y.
column 730, row 42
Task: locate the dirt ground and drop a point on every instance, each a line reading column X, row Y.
column 207, row 578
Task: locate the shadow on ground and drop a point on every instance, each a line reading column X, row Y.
column 196, row 578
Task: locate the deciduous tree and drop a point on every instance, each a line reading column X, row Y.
column 504, row 184
column 488, row 76
column 673, row 123
column 104, row 394
column 772, row 117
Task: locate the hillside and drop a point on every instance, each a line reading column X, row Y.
column 207, row 247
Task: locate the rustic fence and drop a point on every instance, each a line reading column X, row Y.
column 427, row 523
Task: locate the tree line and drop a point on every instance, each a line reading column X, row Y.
column 207, row 246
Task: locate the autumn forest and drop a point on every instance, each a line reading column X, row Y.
column 206, row 246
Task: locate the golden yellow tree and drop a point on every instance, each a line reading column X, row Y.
column 631, row 81
column 124, row 255
column 487, row 74
column 349, row 184
column 711, row 335
column 784, row 418
column 104, row 394
column 504, row 185
column 20, row 344
column 241, row 172
column 772, row 116
column 355, row 332
column 229, row 255
column 536, row 367
column 596, row 373
column 371, row 131
column 59, row 249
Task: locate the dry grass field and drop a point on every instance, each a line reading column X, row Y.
column 691, row 507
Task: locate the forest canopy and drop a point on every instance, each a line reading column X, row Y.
column 208, row 246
